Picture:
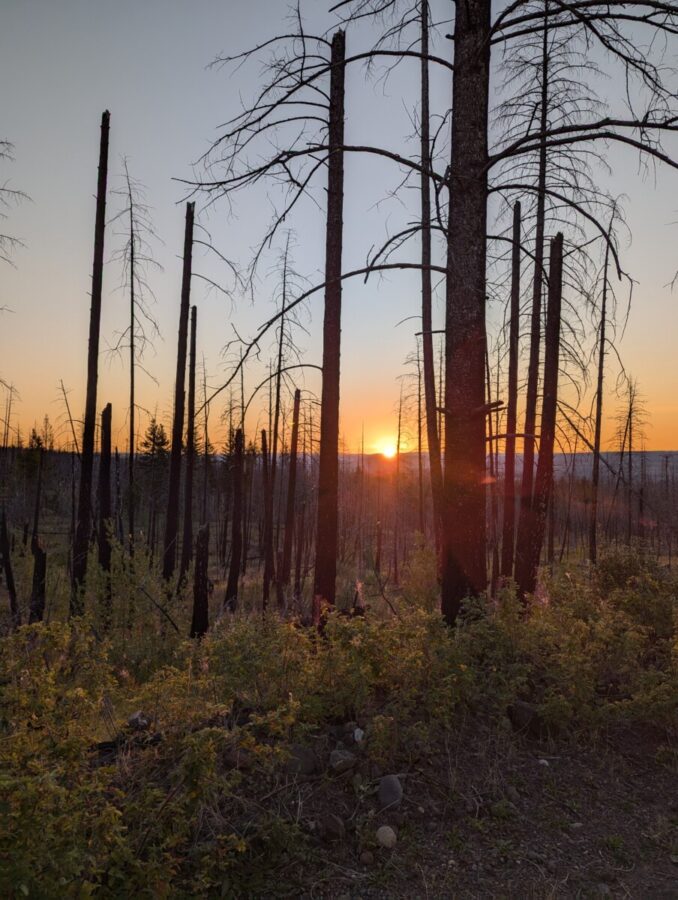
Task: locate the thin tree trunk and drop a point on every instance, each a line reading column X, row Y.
column 595, row 477
column 187, row 547
column 37, row 609
column 508, row 535
column 432, row 434
column 284, row 575
column 464, row 526
column 104, row 490
column 231, row 597
column 328, row 478
column 536, row 315
column 132, row 409
column 267, row 533
column 172, row 519
column 104, row 496
column 84, row 521
column 200, row 619
column 5, row 553
column 531, row 539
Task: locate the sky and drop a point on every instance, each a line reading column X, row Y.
column 149, row 64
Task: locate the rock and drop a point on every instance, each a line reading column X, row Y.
column 342, row 761
column 512, row 793
column 525, row 717
column 390, row 792
column 367, row 857
column 544, row 763
column 333, row 828
column 386, row 837
column 358, row 735
column 139, row 721
column 302, row 761
column 575, row 826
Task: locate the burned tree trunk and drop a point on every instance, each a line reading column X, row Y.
column 172, row 518
column 267, row 535
column 531, row 534
column 537, row 289
column 200, row 619
column 104, row 490
column 37, row 609
column 231, row 598
column 187, row 548
column 132, row 373
column 432, row 435
column 595, row 477
column 5, row 553
column 84, row 520
column 104, row 497
column 508, row 533
column 324, row 586
column 286, row 568
column 463, row 566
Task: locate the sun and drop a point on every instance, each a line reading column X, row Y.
column 388, row 449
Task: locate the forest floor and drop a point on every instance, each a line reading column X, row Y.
column 485, row 813
column 515, row 818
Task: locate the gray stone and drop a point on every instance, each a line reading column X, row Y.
column 512, row 793
column 342, row 761
column 139, row 721
column 390, row 792
column 386, row 837
column 302, row 761
column 367, row 857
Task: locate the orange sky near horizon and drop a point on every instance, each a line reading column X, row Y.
column 74, row 60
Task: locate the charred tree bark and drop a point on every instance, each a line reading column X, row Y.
column 5, row 553
column 172, row 519
column 508, row 534
column 267, row 535
column 104, row 497
column 432, row 434
column 537, row 289
column 595, row 476
column 231, row 598
column 464, row 527
column 531, row 538
column 84, row 521
column 324, row 586
column 37, row 608
column 286, row 568
column 187, row 548
column 200, row 619
column 104, row 490
column 132, row 373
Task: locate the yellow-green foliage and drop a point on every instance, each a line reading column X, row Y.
column 171, row 818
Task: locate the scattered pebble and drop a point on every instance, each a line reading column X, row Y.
column 390, row 792
column 342, row 760
column 386, row 837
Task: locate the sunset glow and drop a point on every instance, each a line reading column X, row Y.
column 387, row 448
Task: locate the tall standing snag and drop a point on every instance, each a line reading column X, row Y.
column 200, row 618
column 84, row 521
column 463, row 566
column 187, row 547
column 432, row 435
column 324, row 586
column 231, row 598
column 286, row 568
column 508, row 534
column 531, row 535
column 172, row 519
